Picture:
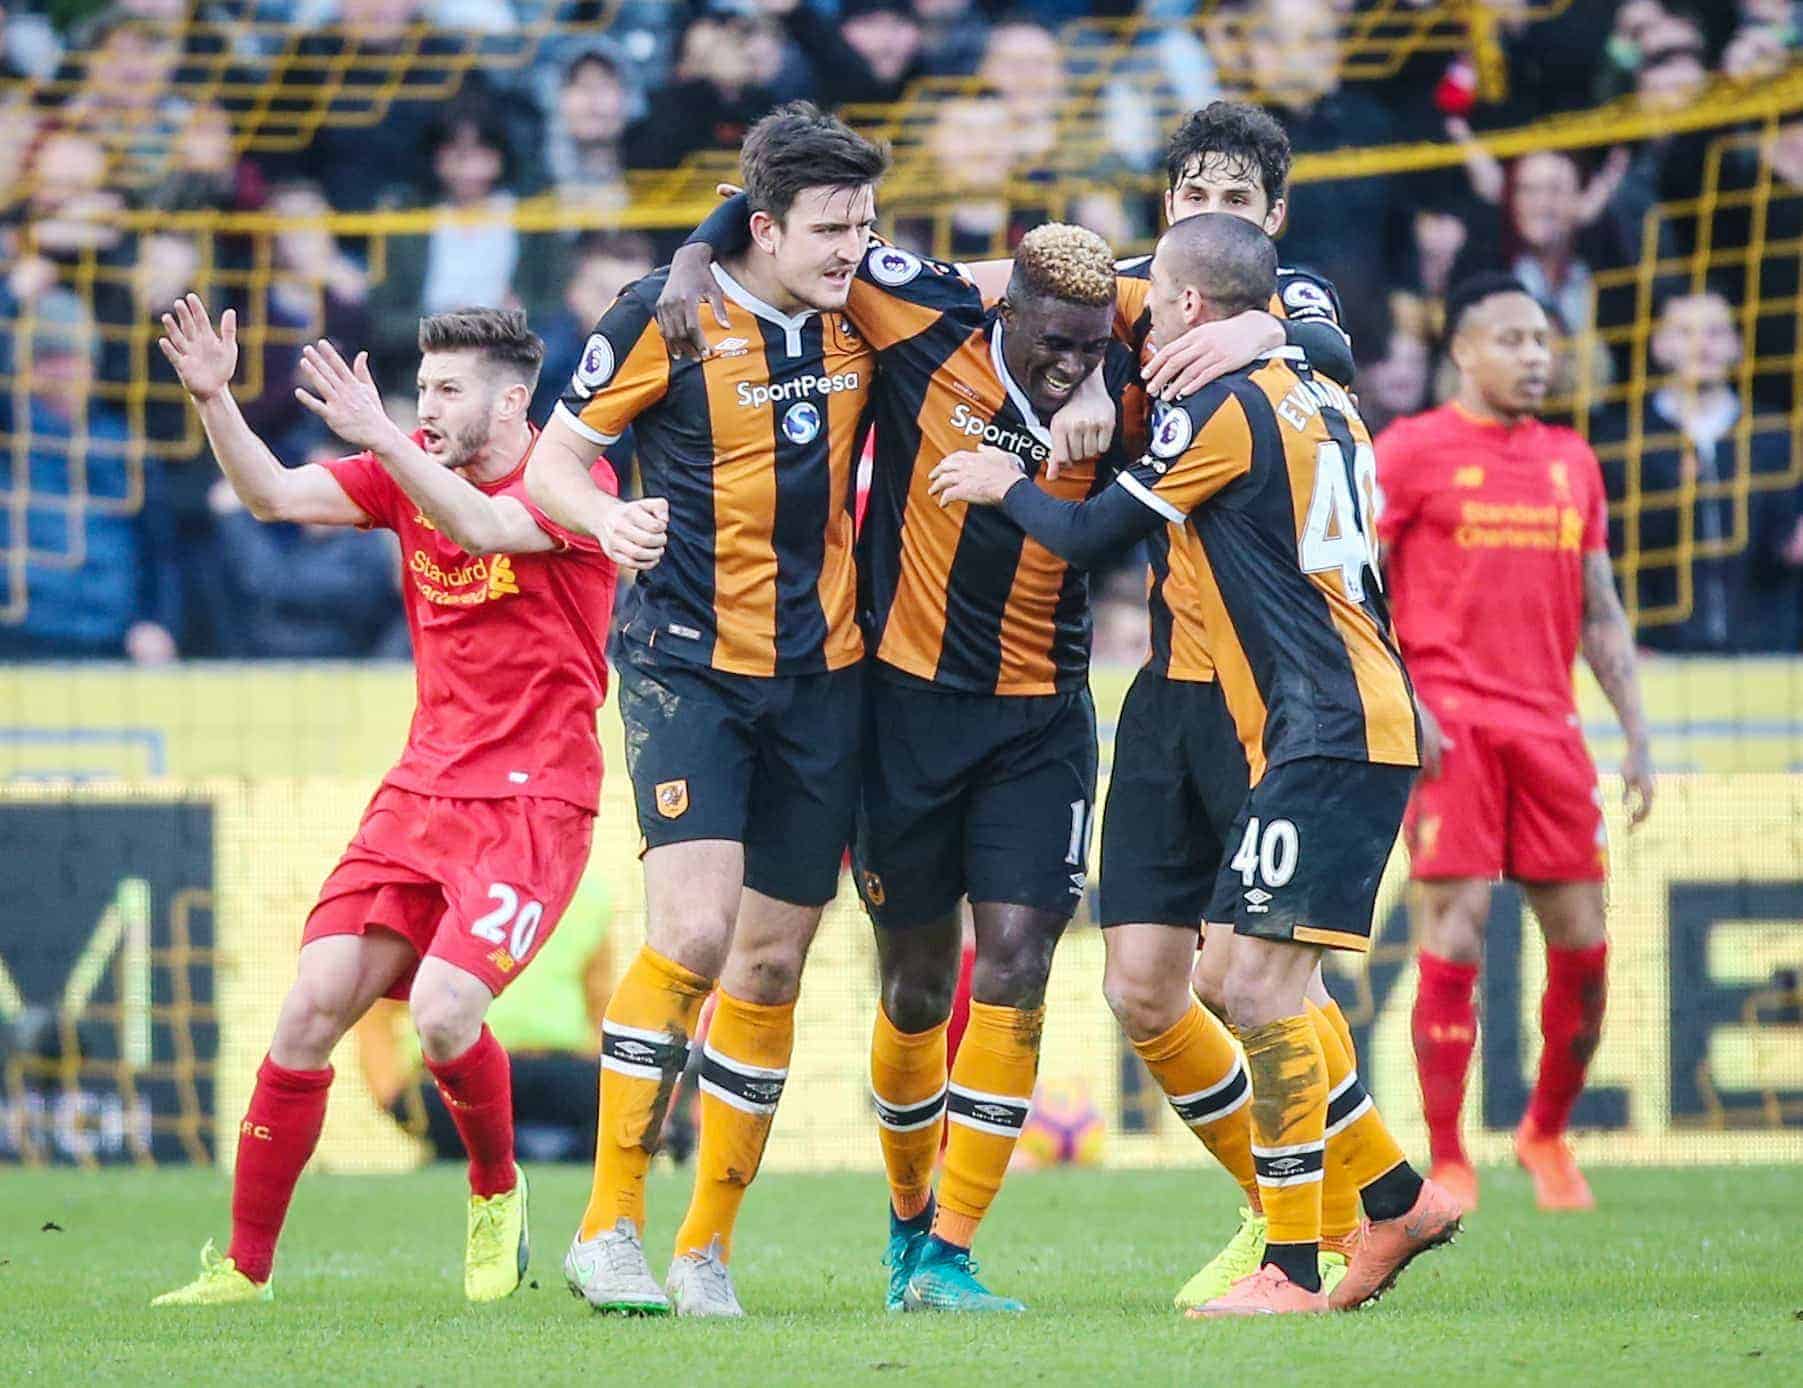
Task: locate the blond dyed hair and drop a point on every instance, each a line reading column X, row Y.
column 1068, row 263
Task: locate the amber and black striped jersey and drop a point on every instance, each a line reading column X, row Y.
column 958, row 596
column 1178, row 651
column 754, row 447
column 1273, row 472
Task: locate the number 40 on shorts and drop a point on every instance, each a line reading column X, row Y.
column 1267, row 853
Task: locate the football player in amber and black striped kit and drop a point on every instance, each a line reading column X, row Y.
column 739, row 684
column 980, row 743
column 1269, row 470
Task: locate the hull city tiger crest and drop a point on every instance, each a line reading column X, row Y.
column 672, row 798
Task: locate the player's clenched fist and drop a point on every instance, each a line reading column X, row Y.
column 633, row 533
column 979, row 476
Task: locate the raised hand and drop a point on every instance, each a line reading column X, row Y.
column 345, row 396
column 204, row 359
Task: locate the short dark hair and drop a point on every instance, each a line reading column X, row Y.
column 799, row 146
column 499, row 334
column 1247, row 137
column 1228, row 260
column 1467, row 294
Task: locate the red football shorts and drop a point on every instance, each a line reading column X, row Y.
column 1511, row 803
column 478, row 883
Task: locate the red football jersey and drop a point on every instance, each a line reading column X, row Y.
column 1484, row 532
column 507, row 650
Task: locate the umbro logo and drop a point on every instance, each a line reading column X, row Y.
column 1258, row 899
column 1078, row 882
column 730, row 347
column 994, row 1113
column 763, row 1091
column 629, row 1049
column 1285, row 1166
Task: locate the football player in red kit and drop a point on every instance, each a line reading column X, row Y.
column 1495, row 543
column 473, row 844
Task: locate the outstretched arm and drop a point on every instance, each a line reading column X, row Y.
column 205, row 359
column 1608, row 646
column 631, row 533
column 1086, row 534
column 346, row 398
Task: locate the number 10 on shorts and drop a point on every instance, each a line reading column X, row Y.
column 1267, row 856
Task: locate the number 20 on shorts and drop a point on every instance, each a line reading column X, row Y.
column 493, row 928
column 1268, row 852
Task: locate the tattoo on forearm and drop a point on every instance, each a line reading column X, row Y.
column 1609, row 644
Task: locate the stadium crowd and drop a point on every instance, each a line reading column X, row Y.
column 94, row 93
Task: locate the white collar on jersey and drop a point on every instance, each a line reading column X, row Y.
column 1284, row 353
column 750, row 302
column 1023, row 405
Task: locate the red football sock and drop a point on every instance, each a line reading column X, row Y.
column 278, row 1135
column 1445, row 1028
column 478, row 1090
column 1571, row 1022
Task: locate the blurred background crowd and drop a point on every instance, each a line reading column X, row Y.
column 345, row 166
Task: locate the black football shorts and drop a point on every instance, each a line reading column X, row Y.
column 771, row 763
column 1308, row 849
column 977, row 795
column 1178, row 781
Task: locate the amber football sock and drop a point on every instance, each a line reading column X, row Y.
column 1196, row 1064
column 1289, row 1124
column 644, row 1047
column 990, row 1095
column 743, row 1067
column 908, row 1086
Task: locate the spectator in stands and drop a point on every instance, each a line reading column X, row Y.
column 315, row 290
column 953, row 35
column 869, row 55
column 1395, row 367
column 1554, row 232
column 972, row 159
column 1340, row 228
column 583, row 156
column 1024, row 66
column 123, row 68
column 69, row 206
column 358, row 162
column 715, row 94
column 99, row 576
column 304, row 592
column 602, row 264
column 1744, row 579
column 461, row 261
column 206, row 172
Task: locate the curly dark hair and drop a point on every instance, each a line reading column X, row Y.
column 1249, row 138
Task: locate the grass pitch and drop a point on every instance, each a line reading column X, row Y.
column 1684, row 1277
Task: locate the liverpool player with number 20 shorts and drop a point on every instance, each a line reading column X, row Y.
column 474, row 842
column 1496, row 547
